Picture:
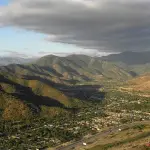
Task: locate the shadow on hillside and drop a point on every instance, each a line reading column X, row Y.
column 41, row 72
column 74, row 72
column 84, row 92
column 44, row 80
column 66, row 69
column 71, row 81
column 49, row 69
column 7, row 69
column 81, row 92
column 133, row 74
column 74, row 63
column 26, row 94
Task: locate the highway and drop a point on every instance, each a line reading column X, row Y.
column 88, row 140
column 99, row 135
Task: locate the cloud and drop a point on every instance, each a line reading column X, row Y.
column 88, row 52
column 104, row 25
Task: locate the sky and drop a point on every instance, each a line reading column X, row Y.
column 29, row 43
column 94, row 27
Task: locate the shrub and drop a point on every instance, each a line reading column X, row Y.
column 16, row 110
column 52, row 111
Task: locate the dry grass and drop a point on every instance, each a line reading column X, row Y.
column 138, row 84
column 131, row 139
column 49, row 91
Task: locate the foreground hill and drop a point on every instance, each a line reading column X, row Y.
column 34, row 95
column 34, row 91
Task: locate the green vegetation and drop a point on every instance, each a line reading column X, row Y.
column 13, row 109
column 8, row 88
column 55, row 125
column 51, row 127
column 58, row 99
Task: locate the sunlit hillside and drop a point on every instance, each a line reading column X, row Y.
column 141, row 83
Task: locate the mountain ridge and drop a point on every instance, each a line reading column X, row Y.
column 129, row 58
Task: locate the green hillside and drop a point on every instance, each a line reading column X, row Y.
column 58, row 99
column 33, row 94
column 81, row 67
column 41, row 83
column 136, row 63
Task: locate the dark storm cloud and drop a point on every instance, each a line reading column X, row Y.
column 108, row 25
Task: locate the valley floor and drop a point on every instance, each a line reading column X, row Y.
column 128, row 116
column 126, row 137
column 136, row 137
column 126, row 125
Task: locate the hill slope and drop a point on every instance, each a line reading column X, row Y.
column 139, row 84
column 41, row 83
column 83, row 67
column 137, row 63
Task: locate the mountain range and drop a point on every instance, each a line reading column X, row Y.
column 4, row 61
column 137, row 63
column 129, row 58
column 44, row 81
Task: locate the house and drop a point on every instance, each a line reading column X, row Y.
column 147, row 145
column 84, row 144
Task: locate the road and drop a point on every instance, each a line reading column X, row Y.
column 88, row 140
column 97, row 136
